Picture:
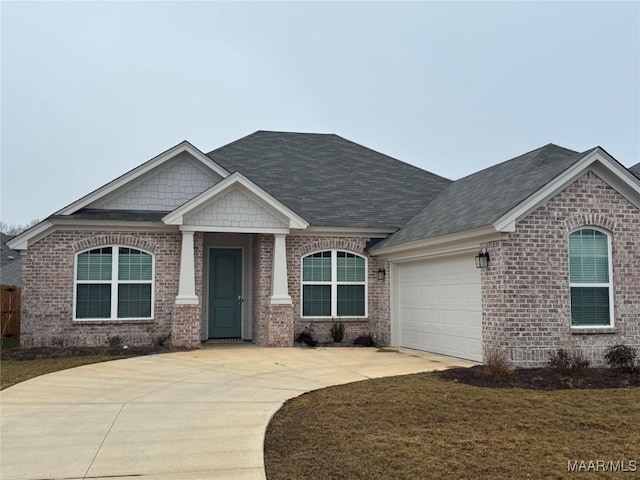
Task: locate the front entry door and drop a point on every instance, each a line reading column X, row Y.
column 225, row 292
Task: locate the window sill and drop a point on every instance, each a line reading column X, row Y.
column 593, row 331
column 108, row 321
column 334, row 319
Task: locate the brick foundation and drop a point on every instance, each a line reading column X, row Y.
column 526, row 299
column 185, row 326
column 279, row 325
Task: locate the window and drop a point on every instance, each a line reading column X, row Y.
column 334, row 284
column 590, row 278
column 109, row 286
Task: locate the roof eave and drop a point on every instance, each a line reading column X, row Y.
column 598, row 160
column 443, row 243
column 149, row 165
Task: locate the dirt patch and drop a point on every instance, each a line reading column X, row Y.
column 543, row 378
column 35, row 353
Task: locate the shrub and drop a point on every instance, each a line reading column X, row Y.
column 337, row 332
column 496, row 363
column 162, row 340
column 568, row 363
column 365, row 341
column 114, row 341
column 306, row 338
column 621, row 357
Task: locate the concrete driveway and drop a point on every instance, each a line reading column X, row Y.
column 188, row 415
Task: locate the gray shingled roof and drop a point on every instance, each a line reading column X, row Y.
column 10, row 263
column 124, row 215
column 482, row 198
column 636, row 170
column 331, row 181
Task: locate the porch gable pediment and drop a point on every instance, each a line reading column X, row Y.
column 235, row 204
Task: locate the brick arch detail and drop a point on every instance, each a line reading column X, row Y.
column 333, row 244
column 590, row 219
column 114, row 239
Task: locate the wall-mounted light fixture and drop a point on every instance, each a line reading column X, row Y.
column 381, row 274
column 482, row 259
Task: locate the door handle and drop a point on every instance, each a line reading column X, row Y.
column 240, row 299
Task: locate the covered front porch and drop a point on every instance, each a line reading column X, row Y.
column 233, row 267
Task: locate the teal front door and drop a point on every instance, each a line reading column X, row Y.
column 225, row 292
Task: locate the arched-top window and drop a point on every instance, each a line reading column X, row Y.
column 113, row 282
column 334, row 284
column 590, row 278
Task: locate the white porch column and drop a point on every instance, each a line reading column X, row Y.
column 279, row 285
column 187, row 286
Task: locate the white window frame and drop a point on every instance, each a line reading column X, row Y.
column 114, row 282
column 608, row 285
column 334, row 283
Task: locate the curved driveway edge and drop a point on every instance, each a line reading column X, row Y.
column 188, row 415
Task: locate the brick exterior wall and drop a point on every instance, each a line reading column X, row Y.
column 280, row 325
column 47, row 313
column 262, row 269
column 525, row 290
column 377, row 323
column 47, row 316
column 267, row 326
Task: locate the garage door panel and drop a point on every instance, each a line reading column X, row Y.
column 444, row 297
column 452, row 317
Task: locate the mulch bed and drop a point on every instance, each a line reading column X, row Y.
column 34, row 353
column 543, row 378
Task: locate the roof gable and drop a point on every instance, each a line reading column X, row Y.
column 119, row 185
column 501, row 195
column 331, row 181
column 235, row 204
column 164, row 188
column 481, row 198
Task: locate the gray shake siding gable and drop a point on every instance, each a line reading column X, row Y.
column 525, row 291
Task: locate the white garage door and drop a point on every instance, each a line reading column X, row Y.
column 439, row 306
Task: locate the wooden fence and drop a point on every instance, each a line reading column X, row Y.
column 10, row 310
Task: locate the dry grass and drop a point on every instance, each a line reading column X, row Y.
column 417, row 426
column 16, row 371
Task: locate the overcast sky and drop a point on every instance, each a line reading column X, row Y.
column 91, row 90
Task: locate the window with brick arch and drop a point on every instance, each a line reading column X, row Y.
column 590, row 278
column 334, row 284
column 113, row 283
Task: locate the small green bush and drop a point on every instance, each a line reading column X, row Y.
column 621, row 357
column 337, row 332
column 114, row 341
column 568, row 363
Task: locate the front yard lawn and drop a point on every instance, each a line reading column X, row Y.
column 16, row 371
column 422, row 427
column 20, row 364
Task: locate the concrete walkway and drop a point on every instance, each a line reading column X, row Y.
column 189, row 415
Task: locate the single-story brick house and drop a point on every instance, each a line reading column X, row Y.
column 278, row 232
